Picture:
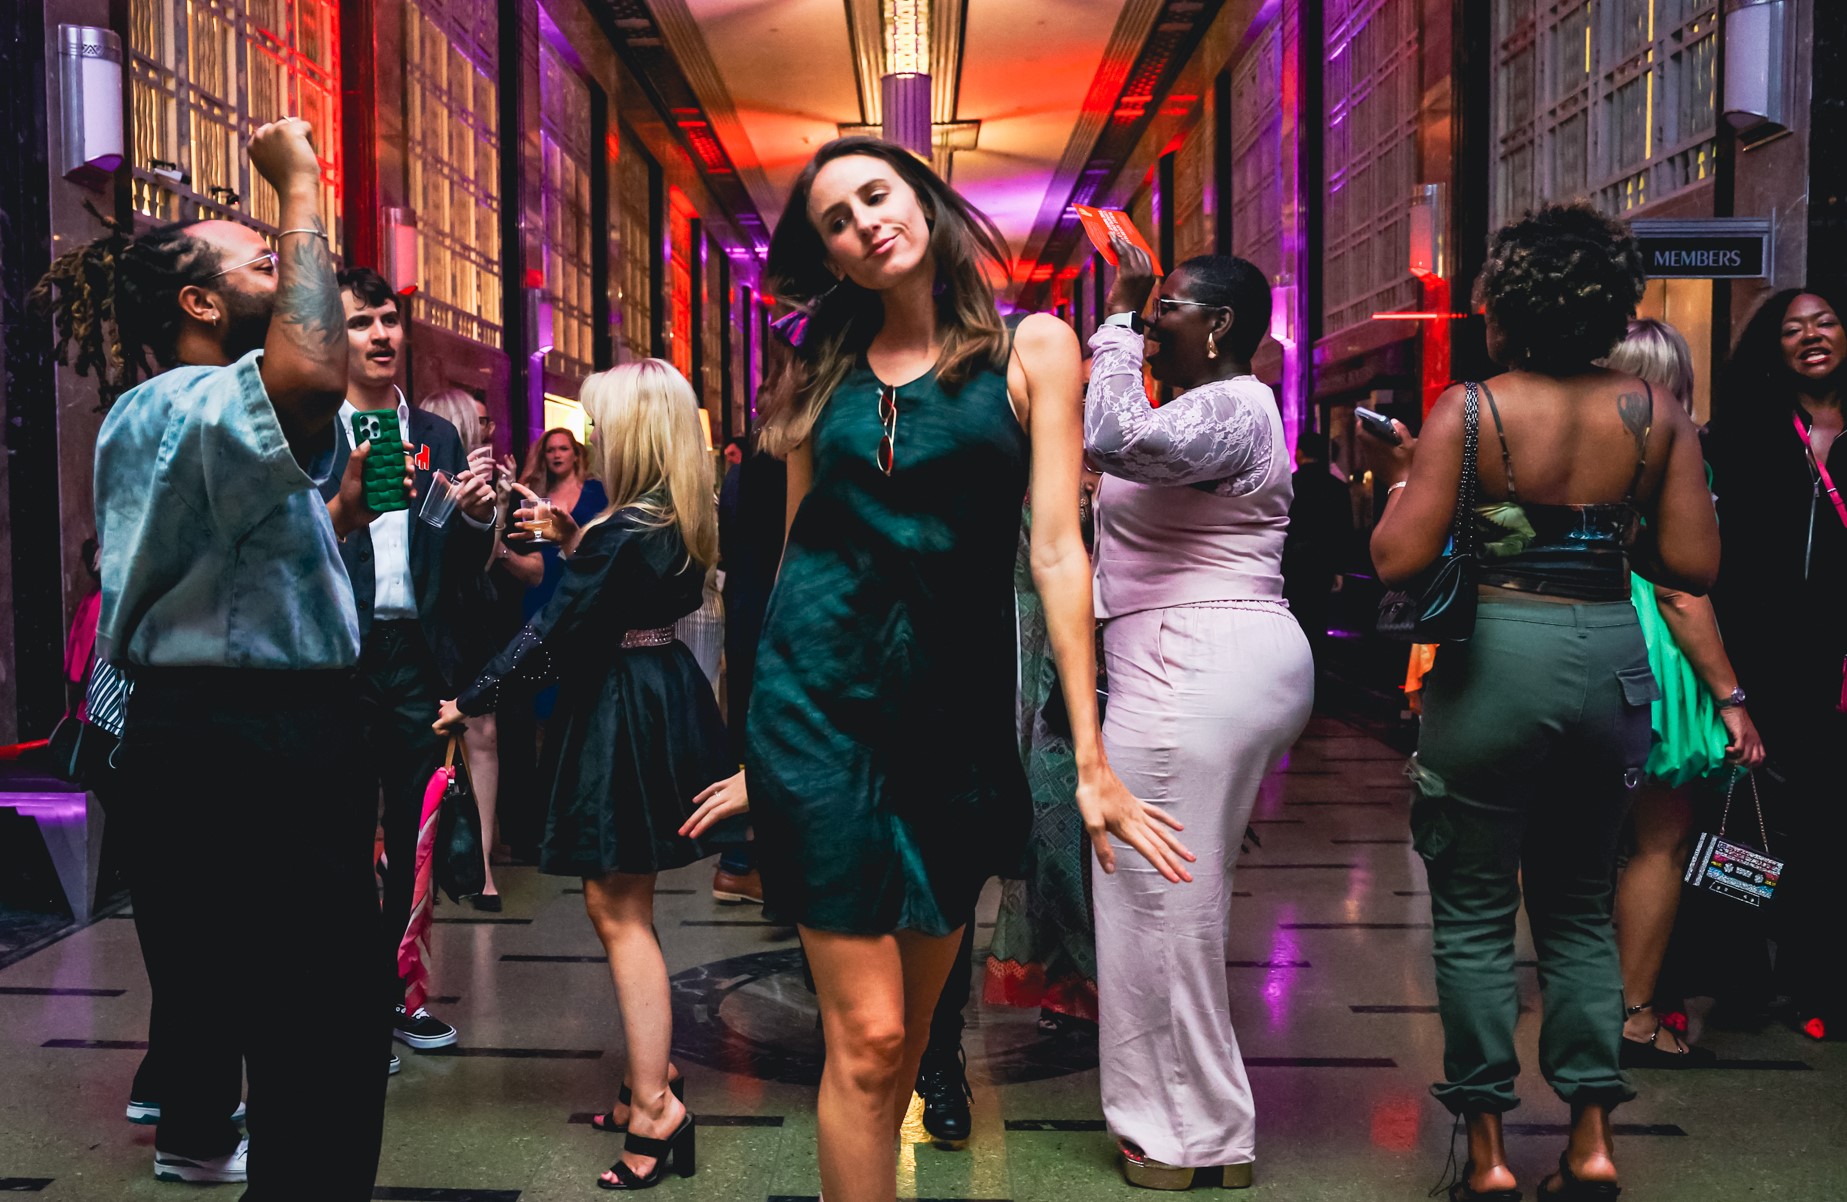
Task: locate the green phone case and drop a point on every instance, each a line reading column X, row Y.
column 384, row 476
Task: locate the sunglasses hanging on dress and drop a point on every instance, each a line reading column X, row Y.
column 888, row 427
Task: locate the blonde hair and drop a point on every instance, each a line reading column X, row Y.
column 651, row 450
column 458, row 409
column 1656, row 352
column 534, row 473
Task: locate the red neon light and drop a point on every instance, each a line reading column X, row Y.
column 1436, row 342
column 535, row 278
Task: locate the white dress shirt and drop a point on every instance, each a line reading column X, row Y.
column 394, row 594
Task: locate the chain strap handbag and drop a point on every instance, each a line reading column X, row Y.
column 1725, row 867
column 1441, row 608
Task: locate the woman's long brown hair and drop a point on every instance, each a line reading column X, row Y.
column 843, row 317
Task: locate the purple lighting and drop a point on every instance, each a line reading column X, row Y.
column 905, row 104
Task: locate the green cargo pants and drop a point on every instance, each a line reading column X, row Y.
column 1534, row 735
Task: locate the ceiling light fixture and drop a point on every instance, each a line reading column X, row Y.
column 905, row 89
column 907, row 36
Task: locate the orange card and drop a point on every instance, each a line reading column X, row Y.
column 1102, row 224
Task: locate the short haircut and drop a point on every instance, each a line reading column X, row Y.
column 1561, row 284
column 368, row 287
column 1312, row 443
column 1655, row 352
column 1239, row 286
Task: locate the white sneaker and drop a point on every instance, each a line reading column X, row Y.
column 229, row 1167
column 147, row 1114
column 397, row 1066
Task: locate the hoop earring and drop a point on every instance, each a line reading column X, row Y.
column 1212, row 350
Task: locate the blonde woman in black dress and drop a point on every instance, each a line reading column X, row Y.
column 636, row 732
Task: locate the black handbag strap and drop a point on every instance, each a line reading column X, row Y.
column 1462, row 530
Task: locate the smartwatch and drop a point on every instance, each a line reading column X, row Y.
column 1129, row 321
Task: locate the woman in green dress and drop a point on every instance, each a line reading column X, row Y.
column 1701, row 730
column 884, row 774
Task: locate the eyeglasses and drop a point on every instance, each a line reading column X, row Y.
column 268, row 256
column 888, row 423
column 1162, row 304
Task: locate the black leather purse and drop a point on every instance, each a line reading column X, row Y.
column 1440, row 608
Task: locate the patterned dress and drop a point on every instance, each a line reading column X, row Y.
column 1044, row 950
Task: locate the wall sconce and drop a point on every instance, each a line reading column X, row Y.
column 90, row 103
column 401, row 247
column 1282, row 311
column 1757, row 44
column 540, row 339
column 1429, row 240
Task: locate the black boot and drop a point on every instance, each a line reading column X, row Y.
column 942, row 1083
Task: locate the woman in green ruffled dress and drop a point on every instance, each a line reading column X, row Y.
column 1701, row 729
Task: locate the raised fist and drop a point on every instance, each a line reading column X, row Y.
column 283, row 153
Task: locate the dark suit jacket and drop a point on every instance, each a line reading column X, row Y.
column 440, row 559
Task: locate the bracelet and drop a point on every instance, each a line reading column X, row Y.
column 1394, row 488
column 321, row 234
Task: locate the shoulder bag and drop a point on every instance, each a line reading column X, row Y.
column 1441, row 607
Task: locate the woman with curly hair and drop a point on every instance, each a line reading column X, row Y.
column 1777, row 456
column 1536, row 729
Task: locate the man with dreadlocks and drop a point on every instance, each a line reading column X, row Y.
column 225, row 600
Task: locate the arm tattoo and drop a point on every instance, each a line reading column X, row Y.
column 308, row 297
column 1638, row 416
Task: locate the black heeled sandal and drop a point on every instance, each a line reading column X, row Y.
column 1573, row 1189
column 677, row 1148
column 1648, row 1053
column 1461, row 1191
column 606, row 1121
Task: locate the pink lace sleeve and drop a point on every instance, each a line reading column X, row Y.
column 1211, row 436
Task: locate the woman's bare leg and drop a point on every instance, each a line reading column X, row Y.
column 1488, row 1153
column 621, row 907
column 1647, row 898
column 868, row 985
column 483, row 747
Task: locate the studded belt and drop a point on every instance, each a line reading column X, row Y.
column 647, row 638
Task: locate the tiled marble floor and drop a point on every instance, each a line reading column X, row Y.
column 1332, row 985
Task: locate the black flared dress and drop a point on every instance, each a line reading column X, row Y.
column 636, row 733
column 882, row 760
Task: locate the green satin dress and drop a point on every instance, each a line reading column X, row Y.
column 883, row 764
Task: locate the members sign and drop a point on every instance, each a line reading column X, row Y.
column 1721, row 248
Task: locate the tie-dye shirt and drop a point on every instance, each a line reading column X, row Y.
column 217, row 548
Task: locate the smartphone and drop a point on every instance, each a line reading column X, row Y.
column 1376, row 424
column 384, row 474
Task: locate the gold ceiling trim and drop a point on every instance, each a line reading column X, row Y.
column 865, row 25
column 944, row 135
column 947, row 19
column 1125, row 43
column 681, row 33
